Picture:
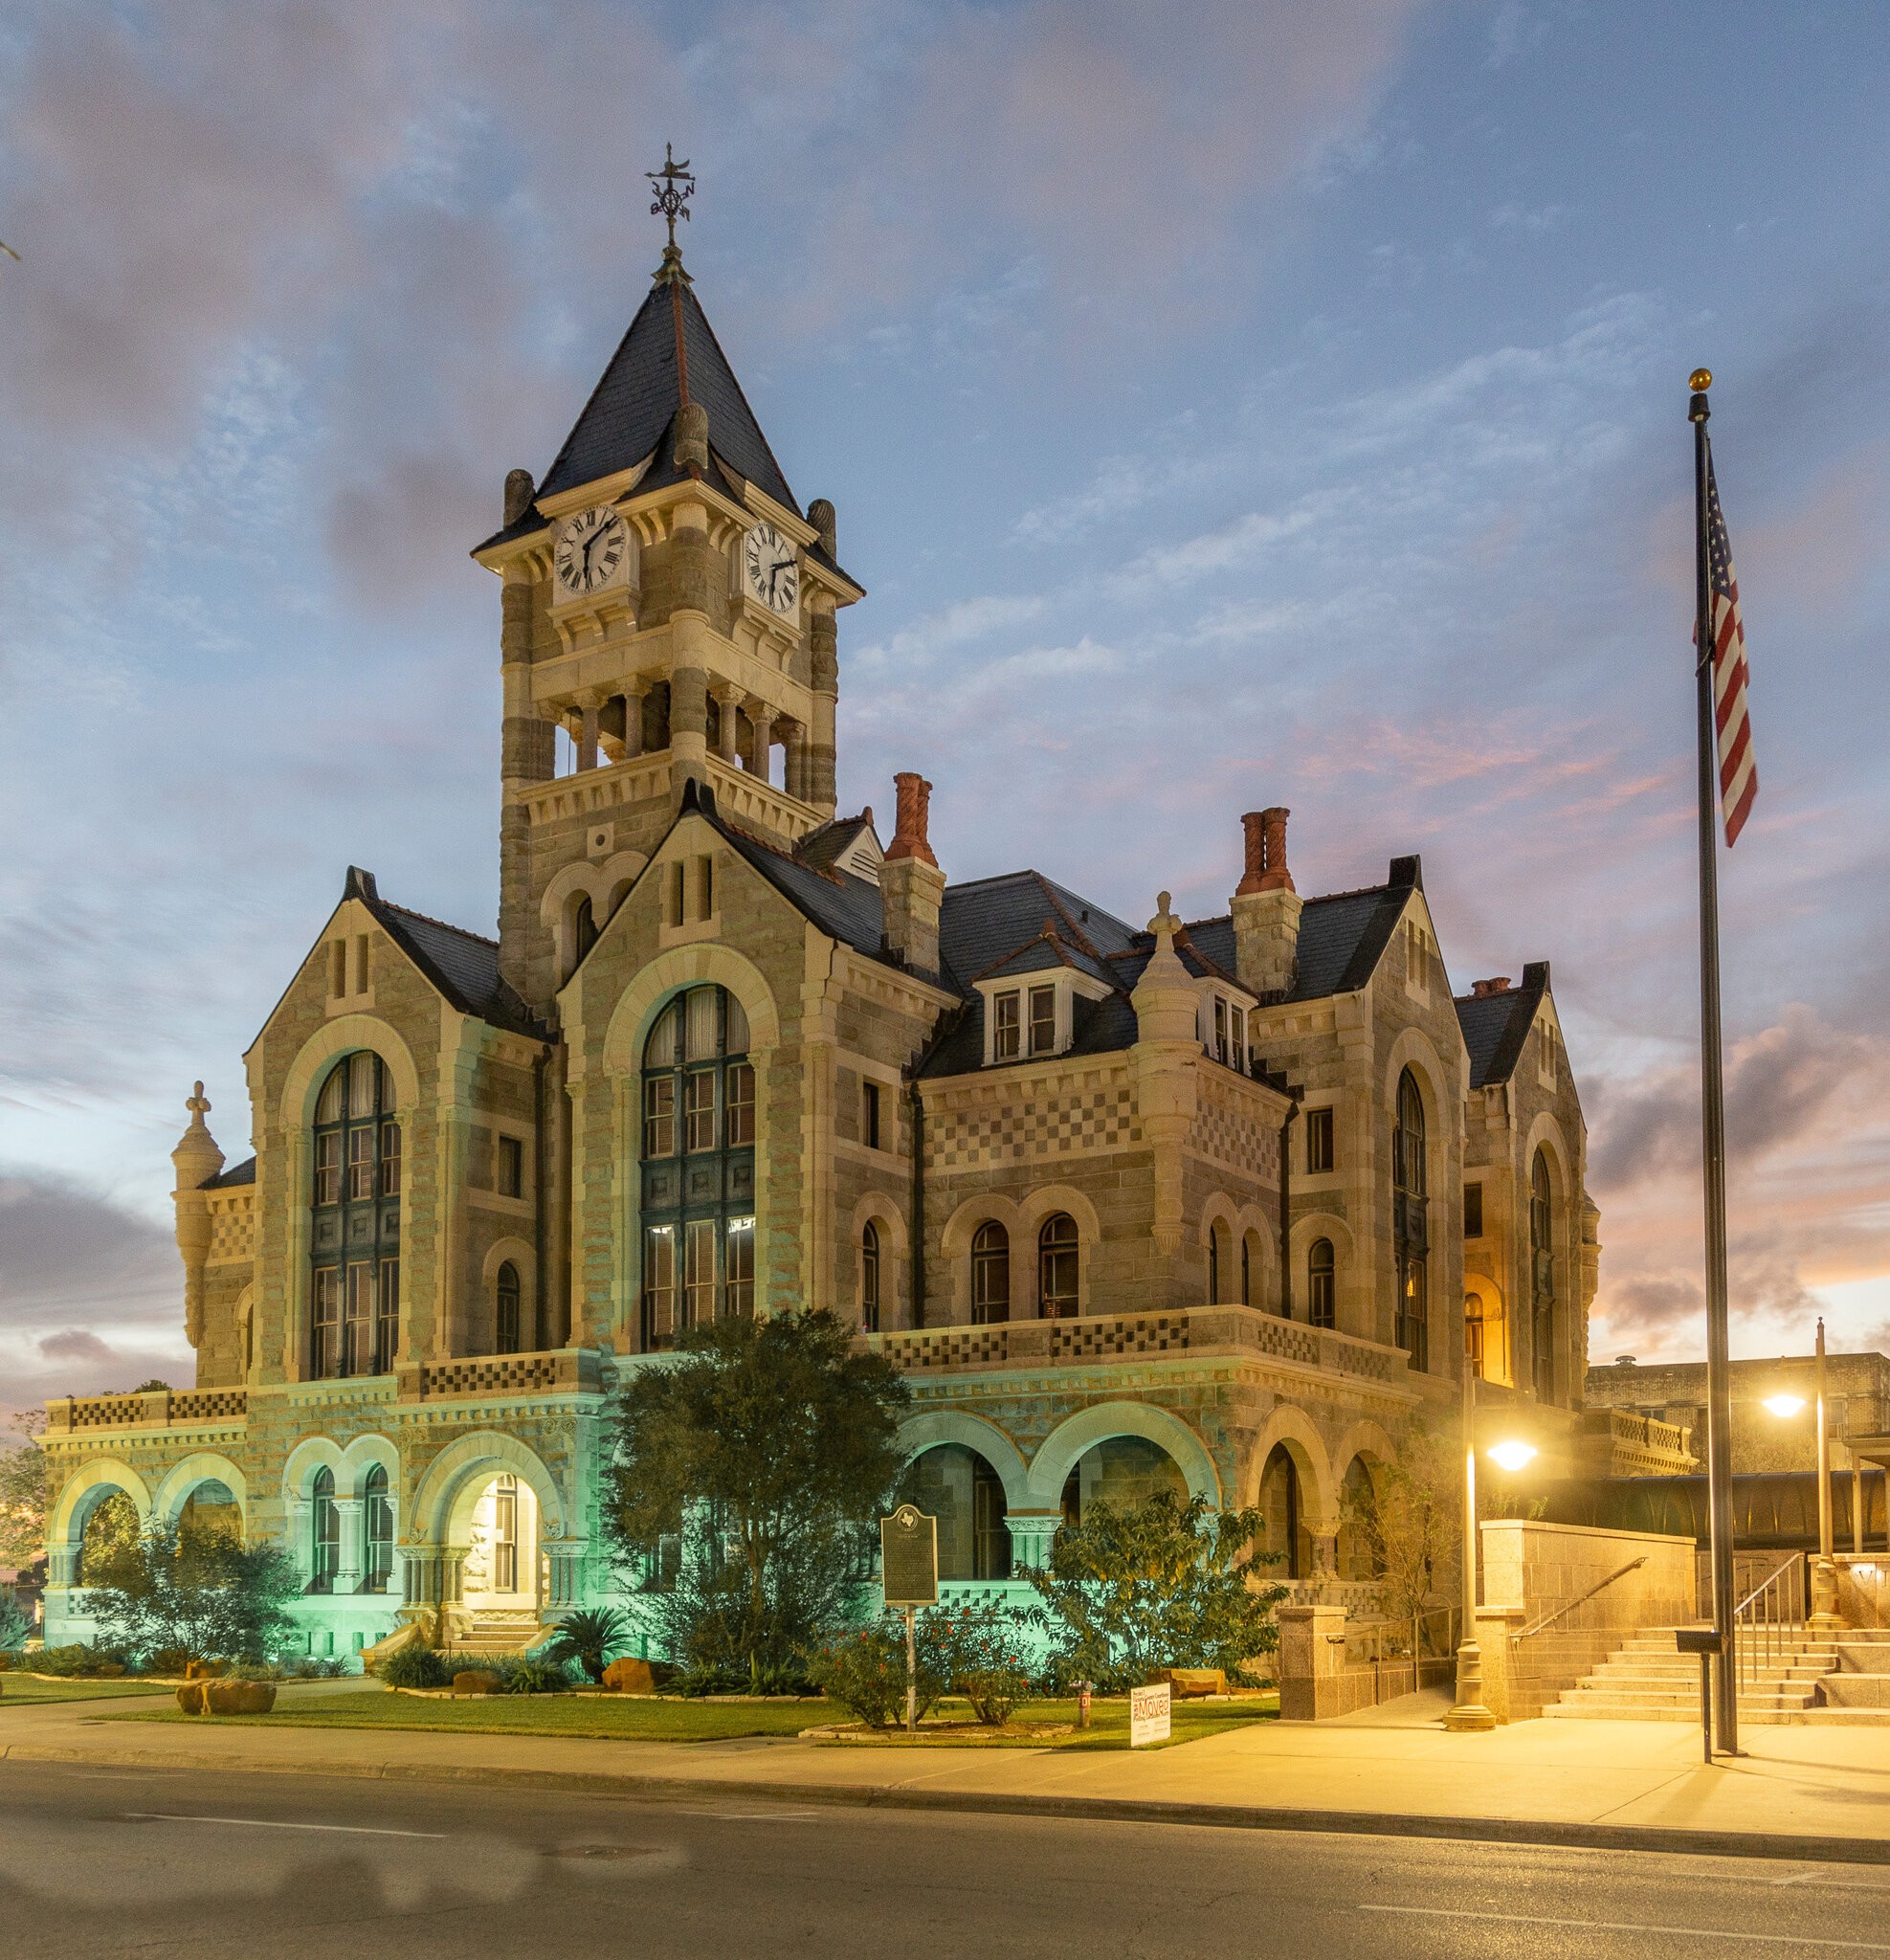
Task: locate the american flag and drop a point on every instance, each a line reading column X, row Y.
column 1738, row 778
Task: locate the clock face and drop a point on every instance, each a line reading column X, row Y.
column 771, row 568
column 590, row 550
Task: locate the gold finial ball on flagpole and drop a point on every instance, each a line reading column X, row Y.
column 1701, row 380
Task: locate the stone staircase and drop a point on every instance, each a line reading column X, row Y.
column 497, row 1633
column 1648, row 1680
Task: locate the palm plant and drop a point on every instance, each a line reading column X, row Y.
column 591, row 1637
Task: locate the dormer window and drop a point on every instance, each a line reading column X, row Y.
column 1224, row 1030
column 1007, row 1025
column 1034, row 1016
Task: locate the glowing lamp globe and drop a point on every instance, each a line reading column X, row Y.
column 1512, row 1456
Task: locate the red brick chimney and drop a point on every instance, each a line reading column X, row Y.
column 911, row 885
column 913, row 815
column 1266, row 908
column 1482, row 990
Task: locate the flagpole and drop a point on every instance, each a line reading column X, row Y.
column 1712, row 1098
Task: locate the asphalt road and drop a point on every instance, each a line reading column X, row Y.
column 113, row 1863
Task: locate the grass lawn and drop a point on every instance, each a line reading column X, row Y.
column 18, row 1689
column 631, row 1717
column 643, row 1719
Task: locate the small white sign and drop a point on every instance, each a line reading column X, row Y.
column 1148, row 1715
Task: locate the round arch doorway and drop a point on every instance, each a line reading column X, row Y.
column 501, row 1574
column 957, row 1486
column 1124, row 1471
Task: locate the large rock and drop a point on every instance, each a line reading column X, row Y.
column 236, row 1697
column 628, row 1677
column 190, row 1697
column 476, row 1680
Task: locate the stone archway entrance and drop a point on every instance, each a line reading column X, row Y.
column 1124, row 1471
column 957, row 1486
column 500, row 1576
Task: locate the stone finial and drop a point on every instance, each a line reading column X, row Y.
column 520, row 490
column 197, row 1147
column 691, row 437
column 820, row 514
column 912, row 820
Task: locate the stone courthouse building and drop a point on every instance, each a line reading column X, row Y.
column 1189, row 1203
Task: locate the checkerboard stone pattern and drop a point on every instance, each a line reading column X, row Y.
column 1052, row 1125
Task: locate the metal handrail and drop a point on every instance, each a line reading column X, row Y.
column 1767, row 1614
column 1549, row 1619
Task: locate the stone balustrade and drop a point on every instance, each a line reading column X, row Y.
column 148, row 1408
column 558, row 1370
column 1105, row 1337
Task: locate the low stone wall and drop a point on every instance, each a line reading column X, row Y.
column 1532, row 1570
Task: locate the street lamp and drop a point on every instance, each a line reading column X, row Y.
column 1469, row 1713
column 1824, row 1573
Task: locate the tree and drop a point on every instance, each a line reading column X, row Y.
column 763, row 1451
column 198, row 1593
column 1409, row 1516
column 22, row 1504
column 1159, row 1584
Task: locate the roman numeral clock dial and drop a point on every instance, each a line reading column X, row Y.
column 591, row 550
column 771, row 569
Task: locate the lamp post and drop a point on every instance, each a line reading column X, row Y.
column 1469, row 1713
column 1824, row 1570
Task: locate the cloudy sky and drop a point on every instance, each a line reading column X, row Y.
column 1241, row 404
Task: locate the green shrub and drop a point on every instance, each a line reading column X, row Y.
column 592, row 1638
column 531, row 1676
column 181, row 1589
column 415, row 1665
column 980, row 1655
column 14, row 1625
column 79, row 1659
column 864, row 1671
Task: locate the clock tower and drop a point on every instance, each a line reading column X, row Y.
column 670, row 607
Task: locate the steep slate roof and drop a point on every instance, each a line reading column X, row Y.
column 632, row 408
column 1496, row 1025
column 832, row 840
column 231, row 1174
column 463, row 965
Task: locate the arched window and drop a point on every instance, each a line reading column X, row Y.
column 869, row 1277
column 584, row 929
column 1410, row 1231
column 377, row 1522
column 990, row 1273
column 1321, row 1284
column 1216, row 1262
column 1247, row 1269
column 699, row 1165
column 1056, row 1267
column 354, row 1317
column 1356, row 1553
column 507, row 1327
column 326, row 1532
column 1282, row 1512
column 1541, row 1277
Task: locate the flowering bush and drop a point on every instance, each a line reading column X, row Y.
column 864, row 1671
column 980, row 1655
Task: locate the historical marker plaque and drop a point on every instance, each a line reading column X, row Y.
column 909, row 1557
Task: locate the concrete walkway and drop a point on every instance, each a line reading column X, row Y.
column 1798, row 1793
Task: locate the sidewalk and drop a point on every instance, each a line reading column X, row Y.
column 1799, row 1793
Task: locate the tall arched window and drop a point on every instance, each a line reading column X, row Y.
column 1410, row 1230
column 869, row 1277
column 1246, row 1269
column 1056, row 1267
column 326, row 1532
column 507, row 1330
column 1321, row 1284
column 699, row 1165
column 990, row 1273
column 1216, row 1262
column 1541, row 1277
column 377, row 1526
column 354, row 1317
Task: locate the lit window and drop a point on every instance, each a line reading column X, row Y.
column 869, row 1277
column 1056, row 1267
column 739, row 1280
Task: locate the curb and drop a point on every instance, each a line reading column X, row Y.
column 1781, row 1846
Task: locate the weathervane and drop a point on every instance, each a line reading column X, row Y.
column 674, row 187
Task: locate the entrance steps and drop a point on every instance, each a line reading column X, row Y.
column 497, row 1633
column 1648, row 1680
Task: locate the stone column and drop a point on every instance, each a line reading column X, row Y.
column 1312, row 1659
column 632, row 720
column 195, row 1160
column 587, row 730
column 62, row 1567
column 793, row 745
column 350, row 1514
column 1031, row 1535
column 823, row 645
column 728, row 698
column 298, row 1517
column 567, row 1558
column 1167, row 1053
column 695, row 571
column 763, row 717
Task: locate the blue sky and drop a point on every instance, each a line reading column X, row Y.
column 1228, row 406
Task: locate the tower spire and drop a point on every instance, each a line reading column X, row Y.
column 674, row 187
